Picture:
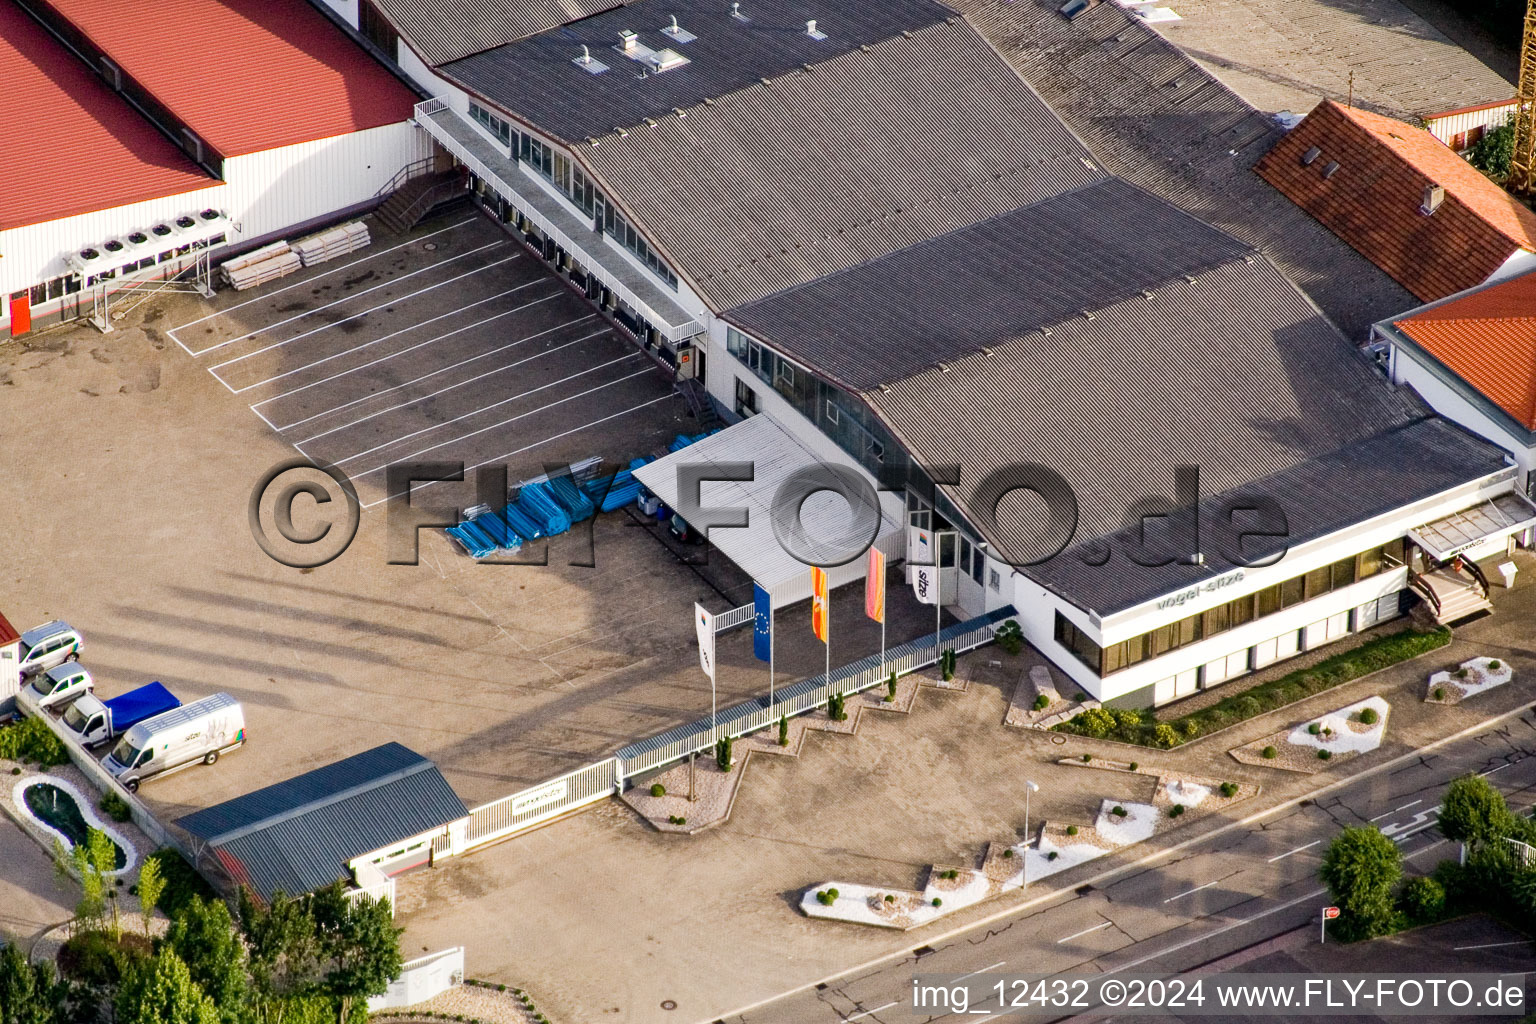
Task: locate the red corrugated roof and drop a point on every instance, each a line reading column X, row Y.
column 1489, row 339
column 77, row 147
column 1372, row 200
column 8, row 634
column 246, row 75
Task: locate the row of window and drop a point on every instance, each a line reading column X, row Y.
column 1237, row 612
column 495, row 126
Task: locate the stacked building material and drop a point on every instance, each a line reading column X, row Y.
column 329, row 244
column 261, row 265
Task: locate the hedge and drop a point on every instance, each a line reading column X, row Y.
column 1372, row 656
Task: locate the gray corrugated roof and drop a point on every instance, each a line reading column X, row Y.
column 1158, row 119
column 780, row 184
column 537, row 79
column 299, row 834
column 446, row 30
column 1319, row 496
column 985, row 285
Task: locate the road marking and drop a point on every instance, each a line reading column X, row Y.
column 877, row 1009
column 392, row 355
column 1187, row 892
column 335, row 302
column 1411, row 803
column 510, row 419
column 1085, row 931
column 555, row 437
column 443, row 391
column 1413, row 832
column 524, row 394
column 1000, row 963
column 307, row 280
column 1298, row 849
column 433, row 373
column 1417, row 823
column 1500, row 768
column 392, row 334
column 1496, row 945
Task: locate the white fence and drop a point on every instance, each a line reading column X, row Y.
column 421, row 979
column 735, row 617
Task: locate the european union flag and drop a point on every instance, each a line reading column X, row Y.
column 762, row 627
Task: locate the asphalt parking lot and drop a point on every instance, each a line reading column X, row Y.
column 454, row 345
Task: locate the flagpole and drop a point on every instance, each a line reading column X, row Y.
column 827, row 676
column 770, row 649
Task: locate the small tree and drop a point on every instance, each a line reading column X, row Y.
column 1009, row 636
column 723, row 753
column 359, row 946
column 783, row 730
column 1475, row 813
column 947, row 663
column 203, row 935
column 284, row 952
column 890, row 688
column 1361, row 869
column 28, row 994
column 163, row 992
column 1493, row 151
column 151, row 888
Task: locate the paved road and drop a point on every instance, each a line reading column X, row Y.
column 1221, row 894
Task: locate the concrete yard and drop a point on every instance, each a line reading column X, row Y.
column 32, row 900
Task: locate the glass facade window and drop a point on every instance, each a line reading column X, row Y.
column 622, row 231
column 1237, row 612
column 497, row 127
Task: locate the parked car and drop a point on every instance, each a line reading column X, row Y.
column 54, row 688
column 50, row 644
column 94, row 722
column 199, row 731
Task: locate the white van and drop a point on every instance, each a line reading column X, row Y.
column 55, row 688
column 199, row 731
column 50, row 644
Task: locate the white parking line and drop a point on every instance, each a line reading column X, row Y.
column 392, row 334
column 1187, row 892
column 1000, row 963
column 1500, row 768
column 411, row 348
column 493, row 426
column 1085, row 931
column 345, row 298
column 1494, row 945
column 357, row 316
column 443, row 391
column 877, row 1009
column 1411, row 803
column 1298, row 849
column 307, row 280
column 547, row 440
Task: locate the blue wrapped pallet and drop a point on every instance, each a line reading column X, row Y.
column 577, row 505
column 495, row 527
column 473, row 541
column 534, row 501
column 522, row 524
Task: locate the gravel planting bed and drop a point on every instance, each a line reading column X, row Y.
column 1474, row 677
column 1340, row 734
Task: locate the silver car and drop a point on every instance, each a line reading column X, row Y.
column 55, row 688
column 50, row 644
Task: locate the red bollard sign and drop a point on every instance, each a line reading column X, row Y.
column 1329, row 913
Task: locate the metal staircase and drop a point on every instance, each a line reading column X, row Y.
column 699, row 404
column 1451, row 596
column 415, row 198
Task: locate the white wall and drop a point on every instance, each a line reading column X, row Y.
column 1518, row 263
column 1405, row 368
column 347, row 9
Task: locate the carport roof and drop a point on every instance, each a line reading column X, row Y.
column 299, row 834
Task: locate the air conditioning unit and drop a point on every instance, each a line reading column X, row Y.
column 164, row 234
column 114, row 250
column 85, row 259
column 138, row 240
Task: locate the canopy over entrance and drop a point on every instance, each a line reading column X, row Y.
column 776, row 456
column 1493, row 519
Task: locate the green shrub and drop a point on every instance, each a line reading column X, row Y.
column 1461, row 673
column 1422, row 899
column 1323, row 755
column 15, row 771
column 1126, row 719
column 783, row 730
column 890, row 688
column 723, row 753
column 1008, row 853
column 1042, row 702
column 1118, row 811
column 1009, row 636
column 1315, row 728
column 1165, row 735
column 114, row 806
column 32, row 742
column 833, row 893
column 1270, row 753
column 1495, row 664
column 1368, row 716
column 947, row 664
column 182, row 883
column 1052, row 855
column 836, row 709
column 97, row 960
column 1175, row 810
column 1229, row 789
column 657, row 789
column 938, row 902
column 1093, row 722
column 1071, row 830
column 1134, row 766
column 1439, row 693
column 1191, row 728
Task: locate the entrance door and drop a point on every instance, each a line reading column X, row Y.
column 21, row 313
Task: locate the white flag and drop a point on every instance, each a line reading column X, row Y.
column 705, row 623
column 925, row 583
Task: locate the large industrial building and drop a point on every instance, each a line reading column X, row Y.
column 138, row 165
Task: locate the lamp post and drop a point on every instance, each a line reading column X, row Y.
column 1029, row 787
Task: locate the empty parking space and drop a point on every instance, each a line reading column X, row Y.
column 457, row 345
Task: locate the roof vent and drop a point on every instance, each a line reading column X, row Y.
column 677, row 33
column 1072, row 8
column 1330, row 169
column 736, row 13
column 1310, row 155
column 811, row 30
column 628, row 41
column 1434, row 195
column 588, row 63
column 665, row 60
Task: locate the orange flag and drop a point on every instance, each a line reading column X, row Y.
column 819, row 603
column 874, row 586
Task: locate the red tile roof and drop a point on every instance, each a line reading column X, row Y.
column 78, row 148
column 1489, row 339
column 8, row 634
column 246, row 75
column 1372, row 199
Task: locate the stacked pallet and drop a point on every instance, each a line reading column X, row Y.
column 261, row 265
column 337, row 241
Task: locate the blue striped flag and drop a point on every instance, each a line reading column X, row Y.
column 762, row 627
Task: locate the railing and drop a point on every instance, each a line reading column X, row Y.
column 384, row 890
column 676, row 744
column 490, row 822
column 1419, row 585
column 1477, row 574
column 428, row 199
column 414, row 169
column 735, row 617
column 1524, row 851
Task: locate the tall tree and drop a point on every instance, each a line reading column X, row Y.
column 203, row 935
column 28, row 994
column 151, row 887
column 1475, row 813
column 284, row 954
column 1361, row 868
column 162, row 992
column 359, row 943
